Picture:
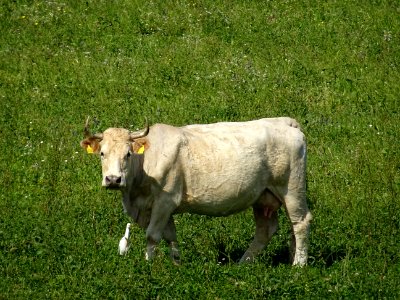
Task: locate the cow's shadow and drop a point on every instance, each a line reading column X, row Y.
column 228, row 257
column 233, row 256
column 323, row 257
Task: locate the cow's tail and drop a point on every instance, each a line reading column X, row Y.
column 293, row 123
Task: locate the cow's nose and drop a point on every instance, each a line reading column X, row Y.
column 113, row 181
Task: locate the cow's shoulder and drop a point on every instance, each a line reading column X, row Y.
column 164, row 147
column 165, row 137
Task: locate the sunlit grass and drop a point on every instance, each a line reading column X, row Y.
column 334, row 66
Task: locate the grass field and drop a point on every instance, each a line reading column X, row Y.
column 332, row 65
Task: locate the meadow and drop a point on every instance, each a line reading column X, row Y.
column 332, row 65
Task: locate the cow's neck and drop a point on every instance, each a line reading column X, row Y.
column 135, row 182
column 135, row 197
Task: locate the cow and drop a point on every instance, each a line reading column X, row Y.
column 211, row 169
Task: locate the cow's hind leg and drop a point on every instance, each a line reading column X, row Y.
column 296, row 205
column 266, row 219
column 300, row 218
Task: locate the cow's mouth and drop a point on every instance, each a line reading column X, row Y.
column 113, row 187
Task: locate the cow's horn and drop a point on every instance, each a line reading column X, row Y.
column 141, row 133
column 87, row 133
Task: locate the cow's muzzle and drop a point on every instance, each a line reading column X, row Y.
column 113, row 182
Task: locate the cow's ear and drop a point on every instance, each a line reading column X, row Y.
column 91, row 145
column 139, row 146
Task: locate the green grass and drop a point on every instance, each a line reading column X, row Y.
column 334, row 66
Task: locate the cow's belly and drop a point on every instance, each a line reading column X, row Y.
column 212, row 206
column 221, row 196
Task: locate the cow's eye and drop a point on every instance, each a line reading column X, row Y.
column 102, row 154
column 129, row 154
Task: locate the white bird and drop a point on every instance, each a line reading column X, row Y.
column 123, row 243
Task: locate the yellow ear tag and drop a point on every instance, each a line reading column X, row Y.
column 89, row 149
column 141, row 150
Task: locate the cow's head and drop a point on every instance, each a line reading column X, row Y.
column 117, row 148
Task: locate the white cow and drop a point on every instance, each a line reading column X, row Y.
column 216, row 169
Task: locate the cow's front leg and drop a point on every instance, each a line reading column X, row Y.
column 170, row 238
column 161, row 222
